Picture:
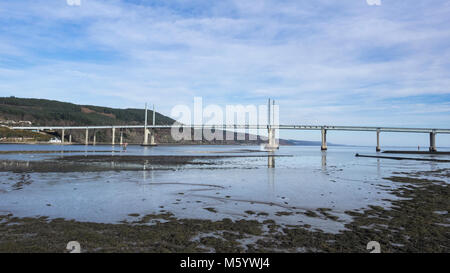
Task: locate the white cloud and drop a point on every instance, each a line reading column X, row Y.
column 313, row 57
column 374, row 2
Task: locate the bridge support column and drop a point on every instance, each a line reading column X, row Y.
column 70, row 139
column 272, row 143
column 95, row 140
column 378, row 149
column 272, row 140
column 121, row 137
column 433, row 142
column 324, row 140
column 86, row 140
column 113, row 138
column 152, row 138
column 62, row 136
column 146, row 132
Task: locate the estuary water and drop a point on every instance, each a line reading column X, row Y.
column 303, row 179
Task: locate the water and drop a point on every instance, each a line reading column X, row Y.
column 305, row 179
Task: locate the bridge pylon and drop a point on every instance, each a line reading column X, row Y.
column 271, row 134
column 147, row 132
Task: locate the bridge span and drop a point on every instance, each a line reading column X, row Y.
column 323, row 128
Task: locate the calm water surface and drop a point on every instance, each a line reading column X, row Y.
column 306, row 180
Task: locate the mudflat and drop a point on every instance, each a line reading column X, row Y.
column 417, row 221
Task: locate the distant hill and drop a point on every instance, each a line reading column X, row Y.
column 51, row 112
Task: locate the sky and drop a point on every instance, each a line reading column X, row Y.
column 341, row 62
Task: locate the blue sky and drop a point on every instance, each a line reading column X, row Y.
column 325, row 62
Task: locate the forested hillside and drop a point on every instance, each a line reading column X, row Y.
column 50, row 112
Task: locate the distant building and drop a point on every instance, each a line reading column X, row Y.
column 55, row 140
column 13, row 122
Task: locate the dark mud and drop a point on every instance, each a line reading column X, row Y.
column 417, row 221
column 55, row 152
column 416, row 152
column 63, row 167
column 163, row 159
column 235, row 151
column 404, row 158
column 98, row 163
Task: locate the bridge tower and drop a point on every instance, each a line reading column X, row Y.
column 147, row 131
column 271, row 134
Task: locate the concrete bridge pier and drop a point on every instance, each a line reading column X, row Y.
column 86, row 139
column 94, row 140
column 272, row 142
column 113, row 138
column 152, row 138
column 324, row 139
column 70, row 139
column 62, row 136
column 433, row 142
column 378, row 149
column 121, row 138
column 146, row 133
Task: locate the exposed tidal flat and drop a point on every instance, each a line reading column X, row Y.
column 220, row 199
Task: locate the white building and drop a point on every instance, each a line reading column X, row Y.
column 55, row 140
